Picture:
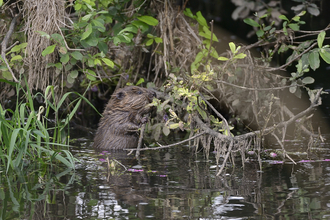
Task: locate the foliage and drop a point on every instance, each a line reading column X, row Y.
column 309, row 55
column 209, row 37
column 94, row 32
column 26, row 135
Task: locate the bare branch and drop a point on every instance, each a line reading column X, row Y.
column 170, row 145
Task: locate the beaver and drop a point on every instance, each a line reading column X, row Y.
column 122, row 117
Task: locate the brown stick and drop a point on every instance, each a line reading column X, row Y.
column 137, row 154
column 171, row 145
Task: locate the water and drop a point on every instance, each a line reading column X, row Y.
column 172, row 184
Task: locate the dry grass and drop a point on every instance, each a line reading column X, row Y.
column 42, row 15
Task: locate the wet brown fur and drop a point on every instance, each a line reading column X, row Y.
column 122, row 117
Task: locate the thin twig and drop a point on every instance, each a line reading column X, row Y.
column 256, row 89
column 137, row 153
column 66, row 45
column 282, row 146
column 216, row 112
column 208, row 53
column 4, row 45
column 171, row 145
column 226, row 158
column 291, row 61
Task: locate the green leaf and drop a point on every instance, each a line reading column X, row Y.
column 73, row 74
column 314, row 60
column 70, row 79
column 18, row 47
column 166, row 131
column 17, row 57
column 92, row 41
column 240, row 56
column 87, row 32
column 260, row 33
column 301, row 13
column 65, row 58
column 293, row 89
column 141, row 80
column 148, row 20
column 158, row 40
column 187, row 12
column 7, row 75
column 149, row 42
column 207, row 34
column 43, row 34
column 251, row 22
column 99, row 25
column 320, row 39
column 324, row 53
column 132, row 29
column 223, row 58
column 308, row 80
column 91, row 75
column 140, row 25
column 97, row 62
column 77, row 55
column 296, row 18
column 77, row 6
column 108, row 62
column 173, row 125
column 103, row 47
column 58, row 38
column 116, row 41
column 232, row 47
column 48, row 50
column 87, row 17
column 202, row 113
column 58, row 65
column 294, row 27
column 201, row 20
column 283, row 17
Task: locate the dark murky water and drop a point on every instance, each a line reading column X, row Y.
column 175, row 184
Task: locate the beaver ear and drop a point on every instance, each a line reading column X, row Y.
column 120, row 95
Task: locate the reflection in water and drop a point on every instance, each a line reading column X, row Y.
column 176, row 184
column 171, row 184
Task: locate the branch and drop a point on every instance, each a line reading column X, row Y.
column 216, row 134
column 226, row 158
column 4, row 45
column 216, row 112
column 256, row 89
column 67, row 47
column 171, row 145
column 137, row 153
column 296, row 58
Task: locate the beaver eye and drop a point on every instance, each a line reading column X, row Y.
column 139, row 92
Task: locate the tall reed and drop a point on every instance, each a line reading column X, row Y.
column 29, row 135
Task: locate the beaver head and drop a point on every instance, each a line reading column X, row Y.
column 132, row 99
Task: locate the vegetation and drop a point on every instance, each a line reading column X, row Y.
column 114, row 43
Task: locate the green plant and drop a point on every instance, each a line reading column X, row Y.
column 25, row 134
column 209, row 37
